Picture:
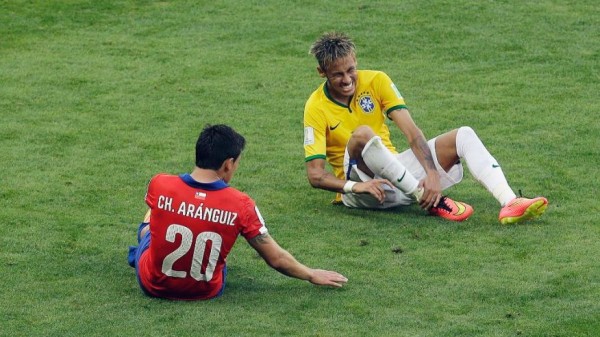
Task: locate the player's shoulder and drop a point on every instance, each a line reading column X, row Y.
column 371, row 75
column 239, row 195
column 238, row 199
column 164, row 177
column 317, row 94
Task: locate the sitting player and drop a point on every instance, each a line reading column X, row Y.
column 194, row 221
column 344, row 124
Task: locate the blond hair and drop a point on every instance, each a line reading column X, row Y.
column 330, row 47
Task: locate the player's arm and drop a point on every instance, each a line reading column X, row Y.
column 319, row 177
column 282, row 261
column 419, row 147
column 146, row 220
column 147, row 216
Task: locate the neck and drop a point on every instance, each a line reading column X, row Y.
column 205, row 175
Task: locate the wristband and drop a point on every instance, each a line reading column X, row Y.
column 348, row 186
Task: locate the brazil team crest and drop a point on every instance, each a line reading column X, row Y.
column 366, row 103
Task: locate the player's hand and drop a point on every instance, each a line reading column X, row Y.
column 373, row 187
column 432, row 191
column 327, row 278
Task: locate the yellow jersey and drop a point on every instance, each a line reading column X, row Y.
column 329, row 124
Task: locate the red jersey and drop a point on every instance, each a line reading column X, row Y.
column 193, row 227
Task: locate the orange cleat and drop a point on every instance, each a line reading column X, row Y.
column 522, row 209
column 452, row 210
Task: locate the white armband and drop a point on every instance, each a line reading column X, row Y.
column 348, row 186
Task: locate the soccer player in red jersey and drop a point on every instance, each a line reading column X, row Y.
column 194, row 221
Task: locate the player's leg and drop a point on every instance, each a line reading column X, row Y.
column 356, row 170
column 450, row 173
column 373, row 158
column 464, row 143
column 223, row 286
column 393, row 196
column 137, row 252
column 378, row 161
column 143, row 230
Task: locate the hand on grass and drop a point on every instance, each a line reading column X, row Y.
column 327, row 278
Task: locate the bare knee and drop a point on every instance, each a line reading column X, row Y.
column 360, row 137
column 445, row 148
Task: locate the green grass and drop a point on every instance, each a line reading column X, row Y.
column 98, row 96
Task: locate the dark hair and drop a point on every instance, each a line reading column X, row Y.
column 216, row 144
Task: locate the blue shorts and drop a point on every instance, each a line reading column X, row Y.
column 135, row 253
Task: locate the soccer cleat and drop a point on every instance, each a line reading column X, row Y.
column 522, row 209
column 452, row 210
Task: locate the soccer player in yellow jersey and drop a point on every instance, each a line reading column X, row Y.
column 345, row 125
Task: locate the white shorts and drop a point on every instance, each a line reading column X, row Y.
column 393, row 196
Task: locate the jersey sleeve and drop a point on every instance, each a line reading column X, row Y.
column 253, row 223
column 315, row 129
column 151, row 196
column 390, row 96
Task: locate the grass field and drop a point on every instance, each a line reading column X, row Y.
column 98, row 96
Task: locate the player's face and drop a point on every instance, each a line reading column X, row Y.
column 341, row 78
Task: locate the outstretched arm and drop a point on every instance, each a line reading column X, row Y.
column 418, row 144
column 320, row 178
column 282, row 261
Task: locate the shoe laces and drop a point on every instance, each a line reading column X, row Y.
column 523, row 196
column 443, row 205
column 518, row 200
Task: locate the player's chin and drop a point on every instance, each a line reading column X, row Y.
column 348, row 91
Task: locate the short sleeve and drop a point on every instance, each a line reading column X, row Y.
column 150, row 192
column 315, row 128
column 253, row 223
column 390, row 96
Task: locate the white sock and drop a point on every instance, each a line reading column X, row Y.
column 482, row 165
column 383, row 163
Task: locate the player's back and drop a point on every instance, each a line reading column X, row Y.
column 193, row 227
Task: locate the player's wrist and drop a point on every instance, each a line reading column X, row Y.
column 348, row 186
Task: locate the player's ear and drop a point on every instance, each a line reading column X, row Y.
column 226, row 166
column 321, row 71
column 229, row 164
